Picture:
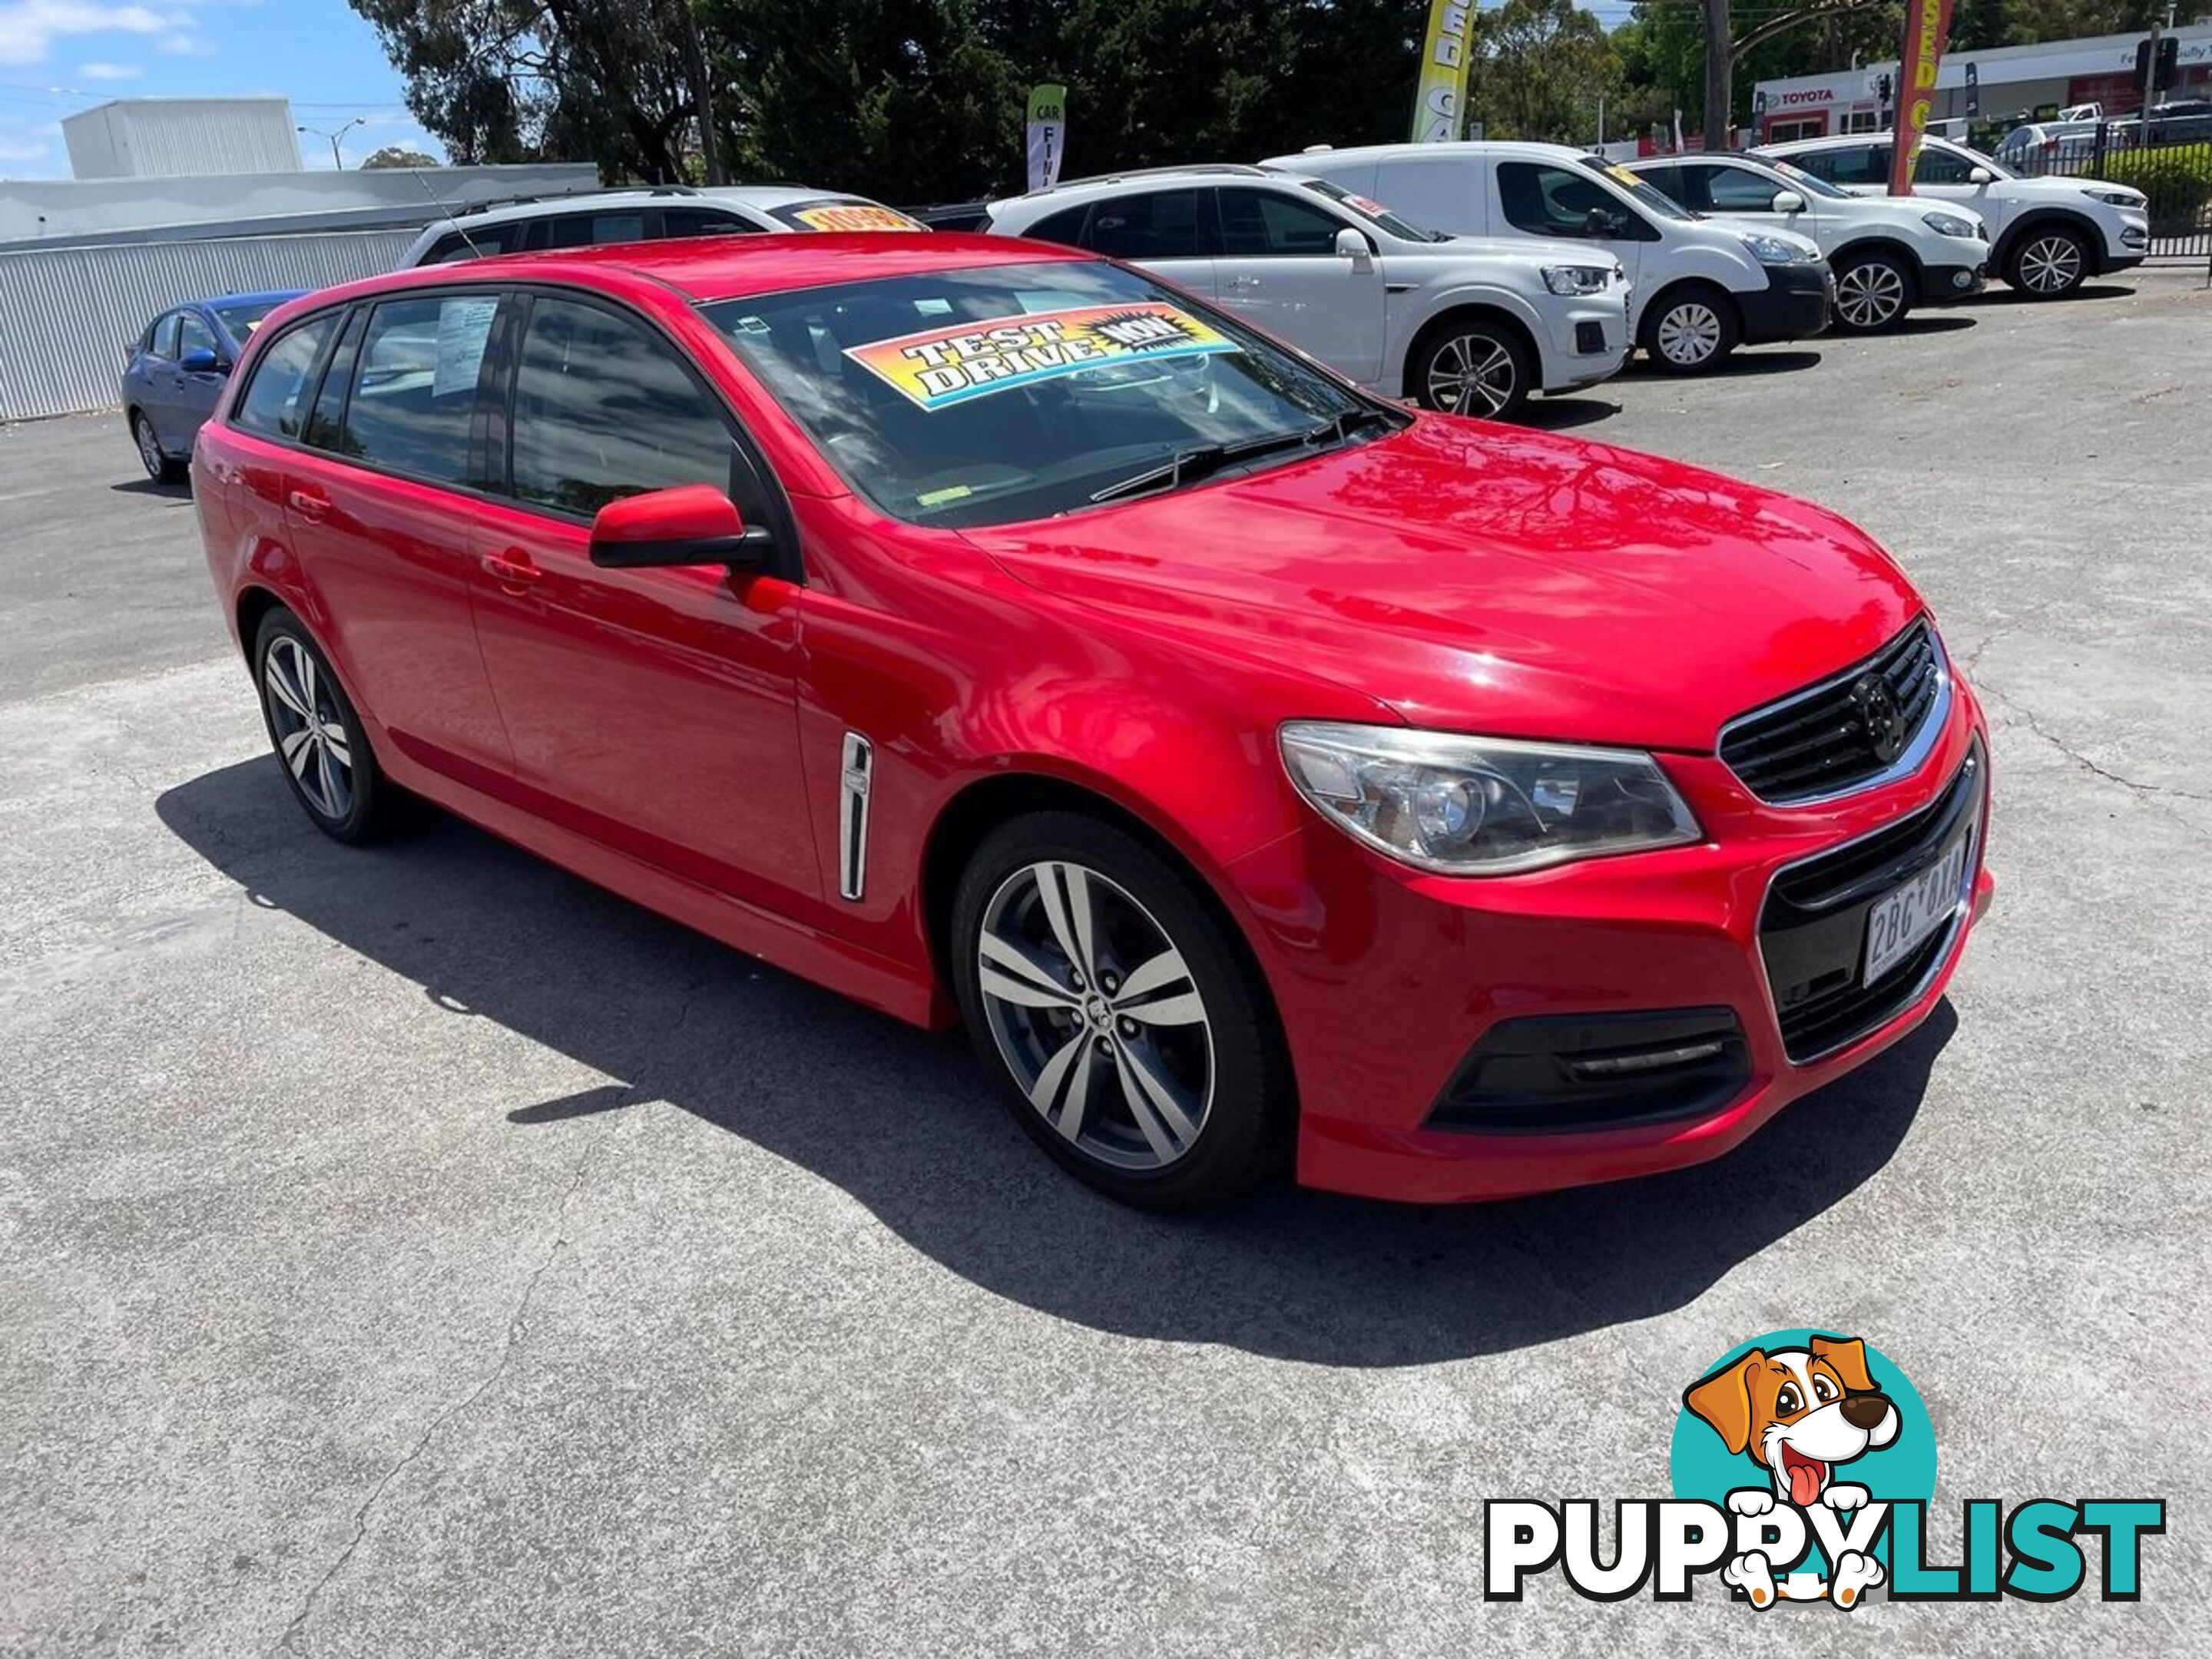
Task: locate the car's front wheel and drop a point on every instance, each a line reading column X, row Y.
column 1135, row 1044
column 2048, row 264
column 1690, row 330
column 1473, row 366
column 317, row 735
column 1874, row 291
column 158, row 464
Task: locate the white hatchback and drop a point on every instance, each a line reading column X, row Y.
column 647, row 214
column 1888, row 255
column 1472, row 326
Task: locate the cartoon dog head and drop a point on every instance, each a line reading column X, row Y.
column 1798, row 1411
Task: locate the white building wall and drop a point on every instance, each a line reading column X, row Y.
column 176, row 137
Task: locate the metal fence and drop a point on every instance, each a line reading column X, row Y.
column 2176, row 177
column 68, row 312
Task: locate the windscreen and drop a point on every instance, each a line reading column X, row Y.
column 986, row 396
column 242, row 317
column 1404, row 229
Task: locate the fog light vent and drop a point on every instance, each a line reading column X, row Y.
column 1596, row 1072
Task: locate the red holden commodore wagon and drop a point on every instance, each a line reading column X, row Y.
column 1257, row 770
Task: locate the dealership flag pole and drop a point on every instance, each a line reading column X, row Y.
column 1048, row 134
column 1927, row 25
column 1442, row 85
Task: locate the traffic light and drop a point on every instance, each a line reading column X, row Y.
column 2169, row 63
column 1883, row 88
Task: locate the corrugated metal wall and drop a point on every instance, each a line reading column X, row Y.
column 67, row 313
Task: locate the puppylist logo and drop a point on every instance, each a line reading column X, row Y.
column 1803, row 1466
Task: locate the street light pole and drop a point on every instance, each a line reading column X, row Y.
column 338, row 161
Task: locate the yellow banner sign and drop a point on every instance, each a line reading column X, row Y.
column 854, row 216
column 945, row 365
column 1444, row 51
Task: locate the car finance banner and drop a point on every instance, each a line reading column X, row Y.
column 945, row 365
column 1927, row 27
column 1048, row 134
column 1443, row 72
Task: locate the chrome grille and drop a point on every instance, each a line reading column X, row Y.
column 1821, row 742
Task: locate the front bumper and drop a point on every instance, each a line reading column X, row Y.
column 1587, row 342
column 1939, row 283
column 1388, row 979
column 1793, row 305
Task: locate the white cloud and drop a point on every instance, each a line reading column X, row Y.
column 187, row 45
column 109, row 72
column 28, row 28
column 10, row 150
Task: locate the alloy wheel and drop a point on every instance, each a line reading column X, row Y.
column 149, row 449
column 310, row 733
column 1870, row 295
column 1471, row 374
column 2050, row 265
column 1689, row 334
column 1096, row 1014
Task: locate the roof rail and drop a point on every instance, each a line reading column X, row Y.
column 1237, row 169
column 490, row 202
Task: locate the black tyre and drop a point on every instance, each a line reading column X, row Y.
column 318, row 738
column 1473, row 365
column 1874, row 289
column 1133, row 1038
column 2048, row 262
column 1690, row 329
column 160, row 466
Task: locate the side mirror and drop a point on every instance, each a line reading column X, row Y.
column 692, row 524
column 1351, row 245
column 1981, row 176
column 1598, row 221
column 200, row 360
column 1787, row 201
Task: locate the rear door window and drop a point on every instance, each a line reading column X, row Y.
column 475, row 241
column 1064, row 227
column 276, row 399
column 1849, row 164
column 1732, row 190
column 1938, row 166
column 702, row 221
column 1161, row 224
column 414, row 393
column 592, row 229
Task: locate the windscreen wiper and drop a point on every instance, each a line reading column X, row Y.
column 1189, row 465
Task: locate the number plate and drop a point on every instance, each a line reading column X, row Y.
column 1905, row 917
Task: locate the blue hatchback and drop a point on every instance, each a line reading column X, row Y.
column 176, row 369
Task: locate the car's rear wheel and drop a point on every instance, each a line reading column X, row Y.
column 1135, row 1041
column 1874, row 291
column 2048, row 264
column 1473, row 366
column 318, row 737
column 159, row 466
column 1690, row 330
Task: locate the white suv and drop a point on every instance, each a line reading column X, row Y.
column 1887, row 255
column 2050, row 233
column 646, row 216
column 1471, row 327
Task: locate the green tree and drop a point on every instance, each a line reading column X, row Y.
column 1540, row 68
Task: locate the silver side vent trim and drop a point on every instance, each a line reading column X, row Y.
column 854, row 777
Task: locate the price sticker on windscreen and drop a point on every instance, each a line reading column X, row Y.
column 944, row 366
column 851, row 216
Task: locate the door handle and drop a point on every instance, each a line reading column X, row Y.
column 511, row 570
column 309, row 506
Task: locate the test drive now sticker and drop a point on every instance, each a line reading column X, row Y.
column 943, row 366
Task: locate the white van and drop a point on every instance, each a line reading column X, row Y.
column 1701, row 289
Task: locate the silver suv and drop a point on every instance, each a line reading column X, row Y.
column 646, row 216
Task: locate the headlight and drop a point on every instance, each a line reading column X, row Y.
column 1947, row 224
column 1483, row 806
column 1575, row 279
column 1773, row 251
column 2120, row 198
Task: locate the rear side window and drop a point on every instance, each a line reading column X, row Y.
column 590, row 229
column 1064, row 227
column 276, row 399
column 478, row 240
column 1850, row 164
column 415, row 386
column 1261, row 224
column 1161, row 225
column 605, row 408
column 1682, row 184
column 1937, row 165
column 1732, row 190
column 701, row 222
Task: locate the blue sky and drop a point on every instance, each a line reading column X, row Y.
column 60, row 56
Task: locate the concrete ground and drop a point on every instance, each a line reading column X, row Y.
column 419, row 1252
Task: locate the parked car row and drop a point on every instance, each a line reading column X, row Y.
column 1466, row 277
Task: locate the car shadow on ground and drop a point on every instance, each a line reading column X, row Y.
column 1563, row 414
column 1750, row 360
column 2000, row 294
column 174, row 492
column 1925, row 322
column 904, row 1122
